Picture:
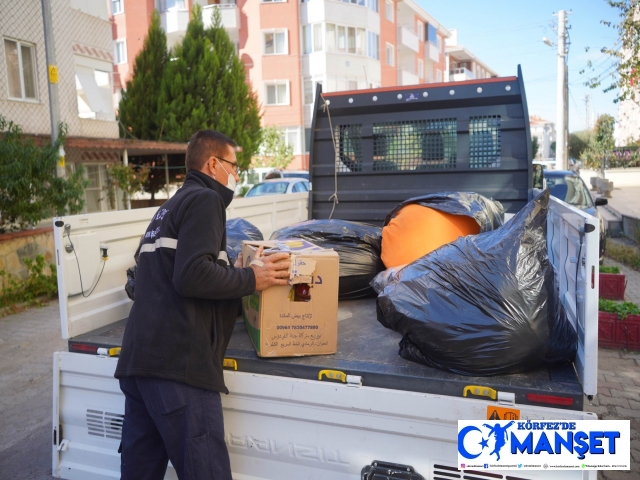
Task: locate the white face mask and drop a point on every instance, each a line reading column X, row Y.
column 231, row 180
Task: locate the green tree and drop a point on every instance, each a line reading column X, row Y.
column 138, row 110
column 274, row 152
column 204, row 87
column 625, row 75
column 129, row 179
column 535, row 146
column 578, row 142
column 29, row 188
column 601, row 144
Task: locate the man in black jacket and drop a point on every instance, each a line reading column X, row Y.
column 186, row 302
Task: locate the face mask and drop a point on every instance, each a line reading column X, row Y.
column 231, row 180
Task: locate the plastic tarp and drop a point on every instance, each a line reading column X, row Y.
column 238, row 229
column 357, row 244
column 483, row 305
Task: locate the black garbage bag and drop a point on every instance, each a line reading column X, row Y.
column 357, row 244
column 488, row 213
column 483, row 305
column 238, row 229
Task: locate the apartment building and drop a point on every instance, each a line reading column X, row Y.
column 83, row 49
column 545, row 131
column 462, row 64
column 289, row 46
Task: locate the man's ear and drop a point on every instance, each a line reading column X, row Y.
column 210, row 166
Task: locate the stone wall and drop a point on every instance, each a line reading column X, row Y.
column 15, row 247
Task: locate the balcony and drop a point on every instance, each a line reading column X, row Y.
column 174, row 23
column 409, row 39
column 229, row 14
column 460, row 75
column 433, row 52
column 408, row 78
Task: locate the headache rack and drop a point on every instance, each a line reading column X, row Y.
column 372, row 149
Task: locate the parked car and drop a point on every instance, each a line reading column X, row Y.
column 287, row 174
column 570, row 188
column 279, row 186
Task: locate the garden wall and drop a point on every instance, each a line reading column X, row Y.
column 15, row 247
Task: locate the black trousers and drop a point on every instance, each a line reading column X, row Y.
column 166, row 420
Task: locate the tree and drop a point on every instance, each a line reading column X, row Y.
column 626, row 55
column 138, row 110
column 578, row 142
column 129, row 179
column 553, row 148
column 204, row 87
column 29, row 188
column 274, row 152
column 535, row 146
column 601, row 144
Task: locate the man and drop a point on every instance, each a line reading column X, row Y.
column 186, row 302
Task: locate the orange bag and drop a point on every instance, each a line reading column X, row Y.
column 417, row 230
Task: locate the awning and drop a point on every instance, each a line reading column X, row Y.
column 133, row 147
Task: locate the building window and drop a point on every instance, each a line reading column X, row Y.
column 272, row 1
column 390, row 54
column 420, row 69
column 120, row 51
column 116, row 6
column 309, row 93
column 373, row 45
column 94, row 93
column 94, row 192
column 388, row 10
column 373, row 5
column 420, row 30
column 278, row 93
column 432, row 34
column 291, row 137
column 21, row 70
column 312, row 38
column 275, row 43
column 352, row 40
column 164, row 5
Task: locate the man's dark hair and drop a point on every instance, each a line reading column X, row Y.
column 203, row 144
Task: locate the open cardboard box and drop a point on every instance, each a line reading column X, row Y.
column 299, row 319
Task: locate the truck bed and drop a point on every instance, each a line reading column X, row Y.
column 369, row 350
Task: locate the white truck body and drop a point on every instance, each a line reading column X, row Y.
column 279, row 427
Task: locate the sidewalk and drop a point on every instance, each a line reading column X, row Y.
column 625, row 201
column 619, row 384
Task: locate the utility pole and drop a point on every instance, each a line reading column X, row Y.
column 52, row 69
column 561, row 127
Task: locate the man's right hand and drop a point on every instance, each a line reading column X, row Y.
column 273, row 271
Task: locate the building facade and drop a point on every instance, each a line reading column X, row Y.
column 82, row 38
column 290, row 46
column 545, row 131
column 462, row 64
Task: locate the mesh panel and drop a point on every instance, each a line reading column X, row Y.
column 484, row 142
column 349, row 151
column 415, row 145
column 71, row 28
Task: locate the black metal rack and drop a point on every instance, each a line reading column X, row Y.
column 385, row 145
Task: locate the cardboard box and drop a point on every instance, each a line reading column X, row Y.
column 279, row 320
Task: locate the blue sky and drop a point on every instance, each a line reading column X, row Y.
column 505, row 33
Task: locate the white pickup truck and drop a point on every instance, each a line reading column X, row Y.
column 281, row 422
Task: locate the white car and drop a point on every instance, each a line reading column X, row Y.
column 278, row 186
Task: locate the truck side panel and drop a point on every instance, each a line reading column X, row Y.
column 278, row 427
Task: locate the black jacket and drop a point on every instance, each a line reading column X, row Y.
column 186, row 298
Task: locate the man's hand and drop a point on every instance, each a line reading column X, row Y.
column 273, row 271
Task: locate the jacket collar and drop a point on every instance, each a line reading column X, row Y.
column 194, row 177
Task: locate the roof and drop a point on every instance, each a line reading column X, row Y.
column 133, row 146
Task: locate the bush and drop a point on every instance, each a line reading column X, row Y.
column 31, row 290
column 604, row 269
column 29, row 188
column 622, row 309
column 628, row 255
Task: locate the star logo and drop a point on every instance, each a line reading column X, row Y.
column 484, row 443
